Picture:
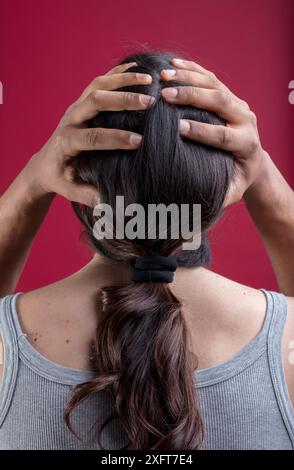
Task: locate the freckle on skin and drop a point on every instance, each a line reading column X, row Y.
column 67, row 341
column 35, row 339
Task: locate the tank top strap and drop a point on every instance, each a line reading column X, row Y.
column 10, row 335
column 277, row 303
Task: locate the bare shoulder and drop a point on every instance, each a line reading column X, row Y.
column 59, row 321
column 223, row 315
column 235, row 305
column 288, row 347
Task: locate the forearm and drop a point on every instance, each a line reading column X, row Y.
column 270, row 202
column 22, row 210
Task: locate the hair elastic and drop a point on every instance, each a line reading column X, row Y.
column 154, row 269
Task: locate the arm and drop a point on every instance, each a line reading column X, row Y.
column 21, row 214
column 270, row 202
column 268, row 197
column 25, row 203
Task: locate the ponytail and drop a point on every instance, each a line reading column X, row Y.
column 142, row 358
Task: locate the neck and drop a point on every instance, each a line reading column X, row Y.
column 104, row 271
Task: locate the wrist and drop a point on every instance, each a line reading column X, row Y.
column 270, row 199
column 260, row 187
column 31, row 180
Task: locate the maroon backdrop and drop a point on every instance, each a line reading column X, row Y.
column 51, row 49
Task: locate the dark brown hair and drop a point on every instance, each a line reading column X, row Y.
column 141, row 347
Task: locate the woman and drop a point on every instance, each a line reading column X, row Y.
column 107, row 357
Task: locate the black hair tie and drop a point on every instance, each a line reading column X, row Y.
column 154, row 269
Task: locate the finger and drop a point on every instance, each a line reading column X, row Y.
column 101, row 100
column 193, row 66
column 76, row 140
column 118, row 69
column 114, row 81
column 82, row 193
column 218, row 136
column 192, row 78
column 218, row 101
column 119, row 80
column 121, row 68
column 189, row 65
column 199, row 80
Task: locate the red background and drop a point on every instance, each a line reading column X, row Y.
column 50, row 50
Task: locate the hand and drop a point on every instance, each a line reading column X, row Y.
column 49, row 170
column 239, row 136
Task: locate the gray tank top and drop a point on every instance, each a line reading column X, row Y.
column 245, row 401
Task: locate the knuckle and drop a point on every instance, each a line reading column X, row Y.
column 121, row 138
column 94, row 97
column 252, row 117
column 223, row 98
column 245, row 104
column 67, row 115
column 60, row 138
column 197, row 130
column 190, row 91
column 212, row 78
column 69, row 109
column 254, row 145
column 224, row 137
column 129, row 98
column 97, row 80
column 124, row 138
column 93, row 137
column 191, row 63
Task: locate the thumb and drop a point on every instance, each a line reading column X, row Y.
column 82, row 193
column 234, row 193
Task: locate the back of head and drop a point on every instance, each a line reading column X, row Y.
column 142, row 355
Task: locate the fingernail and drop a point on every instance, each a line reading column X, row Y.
column 135, row 139
column 178, row 61
column 169, row 72
column 144, row 77
column 184, row 126
column 170, row 92
column 147, row 100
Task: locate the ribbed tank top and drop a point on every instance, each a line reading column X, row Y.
column 245, row 402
